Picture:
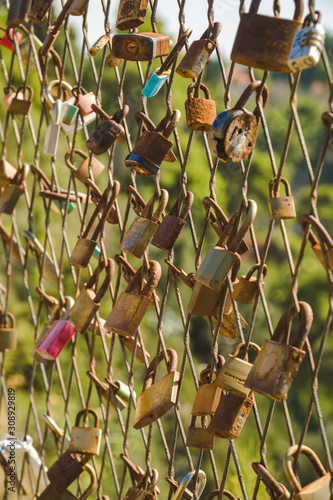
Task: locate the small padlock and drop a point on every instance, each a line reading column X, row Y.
column 7, row 172
column 66, row 470
column 7, row 40
column 230, row 415
column 12, row 191
column 131, row 14
column 82, row 172
column 131, row 306
column 200, row 113
column 86, row 440
column 208, row 393
column 275, row 490
column 324, row 237
column 280, row 207
column 199, row 53
column 19, row 106
column 113, row 61
column 52, row 135
column 143, row 228
column 78, row 7
column 140, row 46
column 99, row 44
column 51, row 494
column 39, row 10
column 143, row 491
column 307, row 45
column 159, row 397
column 277, row 363
column 199, row 437
column 170, row 228
column 8, row 332
column 320, row 489
column 234, row 132
column 83, row 100
column 10, row 94
column 201, row 480
column 264, row 42
column 17, row 12
column 245, row 290
column 107, row 131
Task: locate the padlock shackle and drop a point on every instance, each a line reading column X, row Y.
column 8, row 88
column 49, row 87
column 185, row 481
column 288, row 465
column 41, row 176
column 202, row 87
column 84, row 411
column 273, row 192
column 21, row 174
column 24, row 89
column 187, row 279
column 308, row 19
column 253, row 87
column 225, row 493
column 255, row 268
column 100, row 112
column 154, row 272
column 71, row 152
column 148, row 484
column 186, row 208
column 77, row 90
column 249, row 218
column 305, row 317
column 159, row 210
column 128, row 270
column 240, row 347
column 110, row 269
column 93, row 482
column 174, row 52
column 171, row 127
column 327, row 118
column 147, row 122
column 215, row 32
column 3, row 320
column 298, row 13
column 267, row 479
column 205, row 374
column 137, row 201
column 120, row 114
column 150, row 372
column 320, row 229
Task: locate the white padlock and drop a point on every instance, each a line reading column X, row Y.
column 307, row 45
column 53, row 131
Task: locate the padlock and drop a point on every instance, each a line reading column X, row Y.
column 234, row 131
column 113, row 61
column 83, row 100
column 307, row 45
column 66, row 470
column 7, row 40
column 230, row 415
column 84, row 439
column 39, row 10
column 131, row 306
column 99, row 44
column 12, row 191
column 229, row 325
column 199, row 53
column 78, row 7
column 143, row 491
column 218, row 261
column 85, row 247
column 170, row 228
column 225, row 493
column 143, row 120
column 52, row 135
column 82, row 172
column 199, row 437
column 7, row 172
column 280, row 207
column 275, row 490
column 324, row 237
column 245, row 290
column 129, row 273
column 8, row 332
column 48, row 270
column 159, row 397
column 51, row 494
column 277, row 363
column 200, row 113
column 131, row 14
column 107, row 131
column 201, row 480
column 87, row 303
column 320, row 488
column 120, row 393
column 143, row 228
column 264, row 42
column 152, row 147
column 11, row 93
column 208, row 393
column 140, row 46
column 235, row 371
column 17, row 12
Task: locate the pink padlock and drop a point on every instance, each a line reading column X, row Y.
column 83, row 100
column 7, row 40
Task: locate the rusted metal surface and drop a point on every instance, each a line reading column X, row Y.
column 140, row 46
column 131, row 13
column 281, row 207
column 230, row 416
column 200, row 112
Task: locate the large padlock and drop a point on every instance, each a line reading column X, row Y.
column 159, row 397
column 235, row 371
column 264, row 42
column 230, row 415
column 131, row 14
column 142, row 229
column 39, row 10
column 78, row 7
column 307, row 45
column 21, row 106
column 143, row 490
column 132, row 305
column 17, row 12
column 277, row 363
column 199, row 437
column 275, row 490
column 208, row 393
column 52, row 135
column 7, row 172
column 199, row 53
column 8, row 332
column 280, row 207
column 172, row 225
column 201, row 483
column 85, row 247
column 234, row 131
column 51, row 494
column 324, row 237
column 245, row 290
column 83, row 100
column 66, row 469
column 320, row 489
column 200, row 113
column 225, row 493
column 107, row 131
column 218, row 261
column 140, row 46
column 84, row 439
column 152, row 147
column 82, row 173
column 12, row 191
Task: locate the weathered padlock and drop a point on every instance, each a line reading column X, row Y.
column 230, row 415
column 78, row 7
column 170, row 228
column 235, row 371
column 201, row 480
column 225, row 493
column 208, row 393
column 83, row 100
column 86, row 440
column 17, row 12
column 280, row 207
column 317, row 490
column 245, row 290
column 8, row 332
column 51, row 494
column 85, row 247
column 143, row 228
column 307, row 45
column 275, row 490
column 11, row 93
column 66, row 469
column 152, row 147
column 107, row 131
column 199, row 53
column 234, row 131
column 99, row 44
column 264, row 42
column 39, row 10
column 19, row 105
column 324, row 237
column 131, row 14
column 13, row 190
column 7, row 172
column 277, row 363
column 140, row 46
column 200, row 113
column 199, row 437
column 52, row 135
column 129, row 273
column 82, row 172
column 158, row 398
column 131, row 305
column 143, row 490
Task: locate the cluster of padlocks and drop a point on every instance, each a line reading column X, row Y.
column 225, row 393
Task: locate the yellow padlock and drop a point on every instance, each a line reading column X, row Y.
column 86, row 439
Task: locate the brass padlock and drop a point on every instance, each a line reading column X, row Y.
column 277, row 363
column 140, row 46
column 199, row 437
column 82, row 172
column 172, row 225
column 230, row 415
column 132, row 305
column 199, row 53
column 234, row 132
column 17, row 12
column 51, row 494
column 245, row 290
column 200, row 113
column 131, row 14
column 39, row 10
column 12, row 191
column 142, row 229
column 208, row 393
column 113, row 61
column 11, row 93
column 324, row 237
column 225, row 493
column 158, row 398
column 7, row 172
column 86, row 440
column 8, row 332
column 19, row 106
column 201, row 480
column 143, row 491
column 66, row 469
column 264, row 42
column 275, row 490
column 320, row 489
column 280, row 207
column 78, row 7
column 107, row 131
column 83, row 100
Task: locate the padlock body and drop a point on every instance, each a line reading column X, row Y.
column 206, row 400
column 141, row 164
column 137, row 494
column 205, row 301
column 155, row 82
column 9, row 197
column 78, row 7
column 215, row 267
column 138, row 237
column 17, row 12
column 228, row 327
column 306, row 48
column 8, row 338
column 55, row 340
column 103, row 136
column 64, row 471
column 168, row 232
column 7, row 172
column 39, row 10
column 19, row 106
column 245, row 290
column 153, row 146
column 67, row 129
column 319, row 254
column 233, row 375
column 282, row 207
column 127, row 313
column 8, row 99
column 84, row 309
column 199, row 437
column 84, row 103
column 82, row 173
column 51, row 139
column 200, row 113
column 230, row 416
column 195, row 58
column 140, row 46
column 317, row 490
column 85, row 440
column 82, row 252
column 131, row 13
column 274, row 369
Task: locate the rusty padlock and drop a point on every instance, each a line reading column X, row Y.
column 131, row 305
column 129, row 273
column 225, row 493
column 172, row 225
column 280, row 207
column 78, row 7
column 208, row 393
column 158, row 398
column 200, row 113
column 201, row 483
column 113, row 61
column 199, row 53
column 199, row 437
column 277, row 363
column 19, row 106
column 275, row 490
column 13, row 190
column 324, row 237
column 51, row 494
column 66, row 469
column 230, row 415
column 143, row 228
column 140, row 46
column 86, row 440
column 245, row 290
column 82, row 172
column 7, row 172
column 234, row 132
column 131, row 14
column 264, row 42
column 8, row 332
column 39, row 10
column 107, row 131
column 83, row 100
column 17, row 12
column 143, row 490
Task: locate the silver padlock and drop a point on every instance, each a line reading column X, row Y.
column 307, row 45
column 53, row 131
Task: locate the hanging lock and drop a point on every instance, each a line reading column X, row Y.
column 78, row 7
column 8, row 332
column 200, row 113
column 7, row 172
column 21, row 102
column 51, row 494
column 39, row 10
column 86, row 439
column 230, row 415
column 113, row 61
column 140, row 46
column 324, row 237
column 201, row 480
column 281, row 207
column 12, row 191
column 17, row 12
column 199, row 437
column 107, row 132
column 131, row 14
column 66, row 470
column 11, row 93
column 84, row 100
column 48, row 271
column 275, row 490
column 99, row 44
column 307, row 45
column 143, row 491
column 82, row 173
column 208, row 393
column 245, row 290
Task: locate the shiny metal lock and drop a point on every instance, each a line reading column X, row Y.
column 107, row 132
column 86, row 440
column 52, row 135
column 200, row 113
column 199, row 437
column 324, row 237
column 234, row 132
column 159, row 397
column 39, row 10
column 230, row 415
column 201, row 483
column 84, row 100
column 66, row 470
column 131, row 14
column 143, row 228
column 7, row 172
column 277, row 363
column 264, row 42
column 132, row 305
column 245, row 290
column 12, row 191
column 307, row 45
column 275, row 490
column 51, row 494
column 208, row 393
column 17, row 12
column 143, row 491
column 281, row 207
column 140, row 46
column 199, row 53
column 78, row 7
column 82, row 172
column 8, row 332
column 225, row 493
column 10, row 94
column 99, row 44
column 7, row 40
column 318, row 489
column 19, row 105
